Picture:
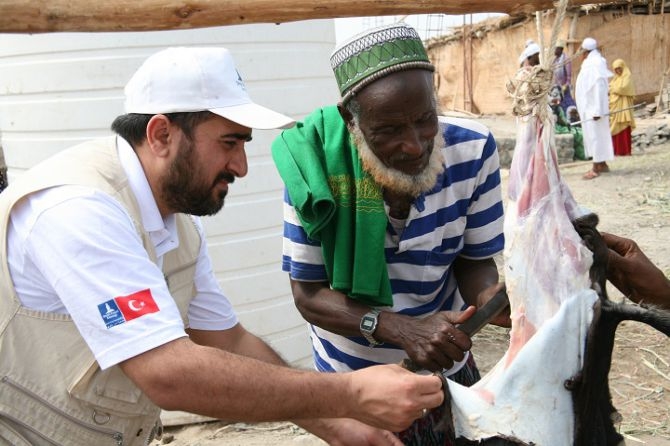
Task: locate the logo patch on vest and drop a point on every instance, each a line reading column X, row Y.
column 126, row 308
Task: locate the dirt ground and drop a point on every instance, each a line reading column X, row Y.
column 633, row 200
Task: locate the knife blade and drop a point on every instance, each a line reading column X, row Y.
column 485, row 314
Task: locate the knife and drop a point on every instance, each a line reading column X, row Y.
column 485, row 314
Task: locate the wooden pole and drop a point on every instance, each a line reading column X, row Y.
column 540, row 35
column 471, row 97
column 38, row 16
column 465, row 65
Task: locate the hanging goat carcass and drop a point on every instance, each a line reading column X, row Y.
column 550, row 387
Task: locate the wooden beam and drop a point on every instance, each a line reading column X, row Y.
column 39, row 16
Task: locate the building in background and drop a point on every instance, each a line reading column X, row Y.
column 474, row 64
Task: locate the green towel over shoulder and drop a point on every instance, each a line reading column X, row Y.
column 338, row 204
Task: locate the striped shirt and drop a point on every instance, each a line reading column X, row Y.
column 461, row 216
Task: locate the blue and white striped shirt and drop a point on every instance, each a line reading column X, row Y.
column 461, row 216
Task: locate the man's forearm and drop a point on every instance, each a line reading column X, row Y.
column 337, row 313
column 182, row 375
column 223, row 385
column 474, row 276
column 239, row 341
column 329, row 309
column 250, row 345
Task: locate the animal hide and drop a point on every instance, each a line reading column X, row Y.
column 523, row 398
column 550, row 387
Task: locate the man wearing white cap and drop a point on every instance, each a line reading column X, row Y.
column 109, row 308
column 530, row 56
column 593, row 104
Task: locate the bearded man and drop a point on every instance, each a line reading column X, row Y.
column 392, row 217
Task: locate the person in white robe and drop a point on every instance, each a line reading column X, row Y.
column 593, row 105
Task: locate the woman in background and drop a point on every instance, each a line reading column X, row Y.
column 622, row 94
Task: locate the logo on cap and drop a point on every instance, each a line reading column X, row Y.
column 240, row 82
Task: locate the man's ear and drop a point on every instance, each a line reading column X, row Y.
column 346, row 115
column 159, row 134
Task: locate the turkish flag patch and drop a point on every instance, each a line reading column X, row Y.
column 136, row 304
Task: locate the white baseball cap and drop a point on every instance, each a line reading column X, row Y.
column 187, row 79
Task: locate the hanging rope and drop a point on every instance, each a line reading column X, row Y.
column 530, row 87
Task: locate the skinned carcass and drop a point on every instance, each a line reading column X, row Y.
column 550, row 387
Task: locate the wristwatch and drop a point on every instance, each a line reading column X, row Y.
column 368, row 326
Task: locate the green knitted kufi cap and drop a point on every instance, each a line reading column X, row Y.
column 376, row 53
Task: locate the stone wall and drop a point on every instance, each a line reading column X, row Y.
column 564, row 149
column 652, row 136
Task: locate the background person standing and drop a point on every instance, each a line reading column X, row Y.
column 622, row 96
column 530, row 56
column 592, row 103
column 563, row 74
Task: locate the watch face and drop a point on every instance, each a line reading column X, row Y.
column 367, row 323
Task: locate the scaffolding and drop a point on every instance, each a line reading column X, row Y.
column 427, row 25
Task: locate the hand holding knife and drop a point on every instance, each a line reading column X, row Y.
column 485, row 314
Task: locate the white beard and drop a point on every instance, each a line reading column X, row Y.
column 393, row 179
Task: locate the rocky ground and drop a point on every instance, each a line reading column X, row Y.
column 633, row 200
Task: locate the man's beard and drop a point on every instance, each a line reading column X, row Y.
column 393, row 179
column 183, row 192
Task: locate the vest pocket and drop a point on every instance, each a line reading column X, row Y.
column 110, row 392
column 110, row 398
column 46, row 424
column 10, row 435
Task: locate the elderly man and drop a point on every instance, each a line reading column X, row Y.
column 593, row 104
column 109, row 308
column 392, row 217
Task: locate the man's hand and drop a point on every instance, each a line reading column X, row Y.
column 632, row 273
column 433, row 342
column 390, row 397
column 349, row 432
